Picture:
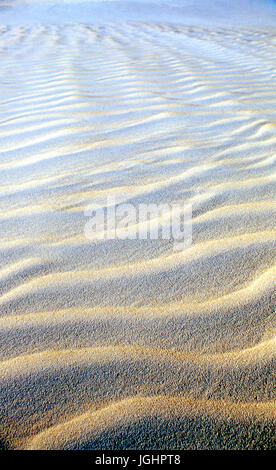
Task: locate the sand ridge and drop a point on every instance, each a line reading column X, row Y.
column 104, row 343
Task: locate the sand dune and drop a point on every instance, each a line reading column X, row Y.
column 118, row 418
column 124, row 343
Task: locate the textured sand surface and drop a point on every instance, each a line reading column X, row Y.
column 129, row 343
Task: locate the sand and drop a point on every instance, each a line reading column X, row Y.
column 119, row 344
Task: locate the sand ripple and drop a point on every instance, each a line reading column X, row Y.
column 129, row 343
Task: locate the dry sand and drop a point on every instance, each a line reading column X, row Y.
column 130, row 344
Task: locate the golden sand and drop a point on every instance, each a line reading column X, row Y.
column 106, row 343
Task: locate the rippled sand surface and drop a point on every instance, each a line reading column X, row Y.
column 129, row 343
